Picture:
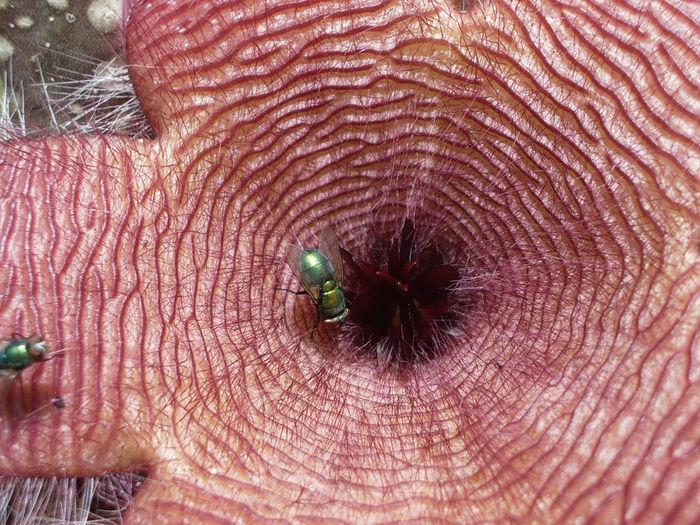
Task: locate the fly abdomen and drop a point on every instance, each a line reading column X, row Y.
column 332, row 303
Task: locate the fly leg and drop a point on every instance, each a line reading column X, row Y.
column 300, row 292
column 9, row 377
column 318, row 322
column 318, row 312
column 18, row 377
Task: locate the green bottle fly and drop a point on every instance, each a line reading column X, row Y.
column 320, row 273
column 20, row 352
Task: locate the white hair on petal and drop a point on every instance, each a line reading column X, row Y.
column 103, row 101
column 99, row 499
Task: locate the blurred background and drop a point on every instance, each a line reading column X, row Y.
column 63, row 70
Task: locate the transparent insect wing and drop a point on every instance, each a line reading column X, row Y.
column 292, row 258
column 329, row 247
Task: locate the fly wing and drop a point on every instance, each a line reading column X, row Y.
column 329, row 247
column 292, row 258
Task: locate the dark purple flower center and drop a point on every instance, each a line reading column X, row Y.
column 402, row 300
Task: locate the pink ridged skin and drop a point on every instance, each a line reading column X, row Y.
column 555, row 142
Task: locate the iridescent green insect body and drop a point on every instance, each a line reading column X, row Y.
column 320, row 272
column 20, row 352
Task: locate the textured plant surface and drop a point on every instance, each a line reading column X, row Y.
column 546, row 155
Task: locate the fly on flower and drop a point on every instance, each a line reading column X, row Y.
column 20, row 352
column 320, row 273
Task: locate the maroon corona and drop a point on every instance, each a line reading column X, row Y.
column 402, row 299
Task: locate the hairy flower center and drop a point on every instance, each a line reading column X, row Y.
column 403, row 296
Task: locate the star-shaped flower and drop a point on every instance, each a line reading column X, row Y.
column 553, row 148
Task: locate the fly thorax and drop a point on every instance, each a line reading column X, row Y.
column 315, row 268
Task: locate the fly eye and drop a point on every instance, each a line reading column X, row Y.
column 37, row 351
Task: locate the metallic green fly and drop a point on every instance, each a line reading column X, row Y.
column 320, row 273
column 20, row 352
